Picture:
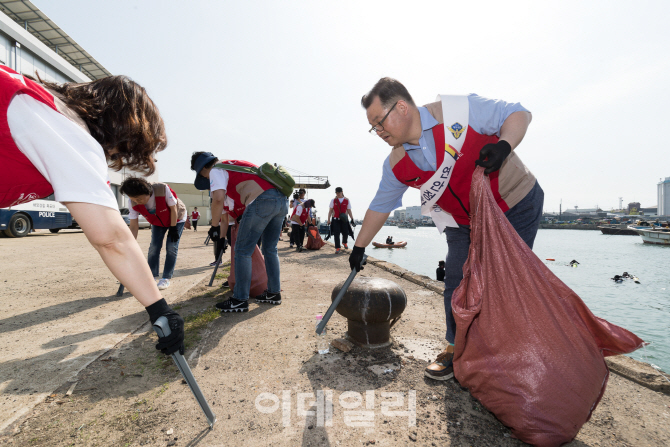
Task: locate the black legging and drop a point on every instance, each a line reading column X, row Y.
column 298, row 232
column 339, row 227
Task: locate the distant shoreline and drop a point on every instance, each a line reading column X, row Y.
column 568, row 227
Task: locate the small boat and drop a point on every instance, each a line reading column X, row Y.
column 652, row 234
column 393, row 245
column 409, row 225
column 619, row 230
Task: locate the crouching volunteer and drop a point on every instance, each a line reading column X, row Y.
column 166, row 213
column 301, row 217
column 435, row 149
column 59, row 138
column 265, row 207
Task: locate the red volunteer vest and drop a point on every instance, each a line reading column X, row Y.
column 456, row 199
column 162, row 216
column 20, row 181
column 195, row 215
column 304, row 215
column 235, row 178
column 236, row 212
column 340, row 208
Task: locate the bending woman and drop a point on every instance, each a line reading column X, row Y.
column 60, row 139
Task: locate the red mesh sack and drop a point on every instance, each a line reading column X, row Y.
column 527, row 347
column 259, row 277
column 314, row 241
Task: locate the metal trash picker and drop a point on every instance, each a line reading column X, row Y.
column 162, row 328
column 216, row 267
column 338, row 298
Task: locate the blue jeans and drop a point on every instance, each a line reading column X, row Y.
column 157, row 235
column 524, row 217
column 261, row 220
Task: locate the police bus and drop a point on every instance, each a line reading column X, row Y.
column 41, row 214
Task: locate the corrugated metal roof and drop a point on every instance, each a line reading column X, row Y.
column 29, row 17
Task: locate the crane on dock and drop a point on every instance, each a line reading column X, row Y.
column 303, row 180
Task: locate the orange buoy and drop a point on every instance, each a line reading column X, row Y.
column 550, row 259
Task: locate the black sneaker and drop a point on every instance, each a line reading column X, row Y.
column 233, row 305
column 269, row 298
column 226, row 285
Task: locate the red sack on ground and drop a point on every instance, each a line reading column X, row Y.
column 527, row 347
column 259, row 277
column 314, row 241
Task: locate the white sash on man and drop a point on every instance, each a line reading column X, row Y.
column 455, row 113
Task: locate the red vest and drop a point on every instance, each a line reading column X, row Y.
column 235, row 178
column 304, row 215
column 20, row 181
column 161, row 218
column 340, row 208
column 195, row 215
column 237, row 210
column 456, row 199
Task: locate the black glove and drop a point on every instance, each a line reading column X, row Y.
column 173, row 234
column 353, row 224
column 214, row 232
column 175, row 341
column 492, row 156
column 356, row 257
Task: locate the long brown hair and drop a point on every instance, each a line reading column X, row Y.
column 119, row 114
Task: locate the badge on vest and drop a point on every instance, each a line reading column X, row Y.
column 456, row 130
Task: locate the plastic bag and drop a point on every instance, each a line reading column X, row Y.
column 527, row 347
column 259, row 277
column 314, row 241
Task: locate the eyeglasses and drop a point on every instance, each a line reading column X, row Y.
column 379, row 128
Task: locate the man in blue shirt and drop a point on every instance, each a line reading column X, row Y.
column 494, row 129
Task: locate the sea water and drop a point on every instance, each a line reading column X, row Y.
column 641, row 308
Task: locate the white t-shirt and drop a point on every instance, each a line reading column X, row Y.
column 151, row 204
column 332, row 202
column 70, row 159
column 230, row 203
column 218, row 179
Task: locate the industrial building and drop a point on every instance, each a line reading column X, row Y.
column 664, row 197
column 31, row 43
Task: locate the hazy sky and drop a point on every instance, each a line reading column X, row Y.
column 281, row 81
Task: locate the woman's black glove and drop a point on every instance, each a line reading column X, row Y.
column 492, row 156
column 173, row 234
column 175, row 341
column 356, row 257
column 214, row 233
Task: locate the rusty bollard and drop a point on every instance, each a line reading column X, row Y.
column 370, row 305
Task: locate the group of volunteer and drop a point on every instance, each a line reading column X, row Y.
column 302, row 216
column 61, row 139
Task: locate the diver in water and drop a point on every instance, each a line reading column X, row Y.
column 617, row 279
column 574, row 263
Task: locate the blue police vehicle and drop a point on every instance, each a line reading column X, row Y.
column 42, row 214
